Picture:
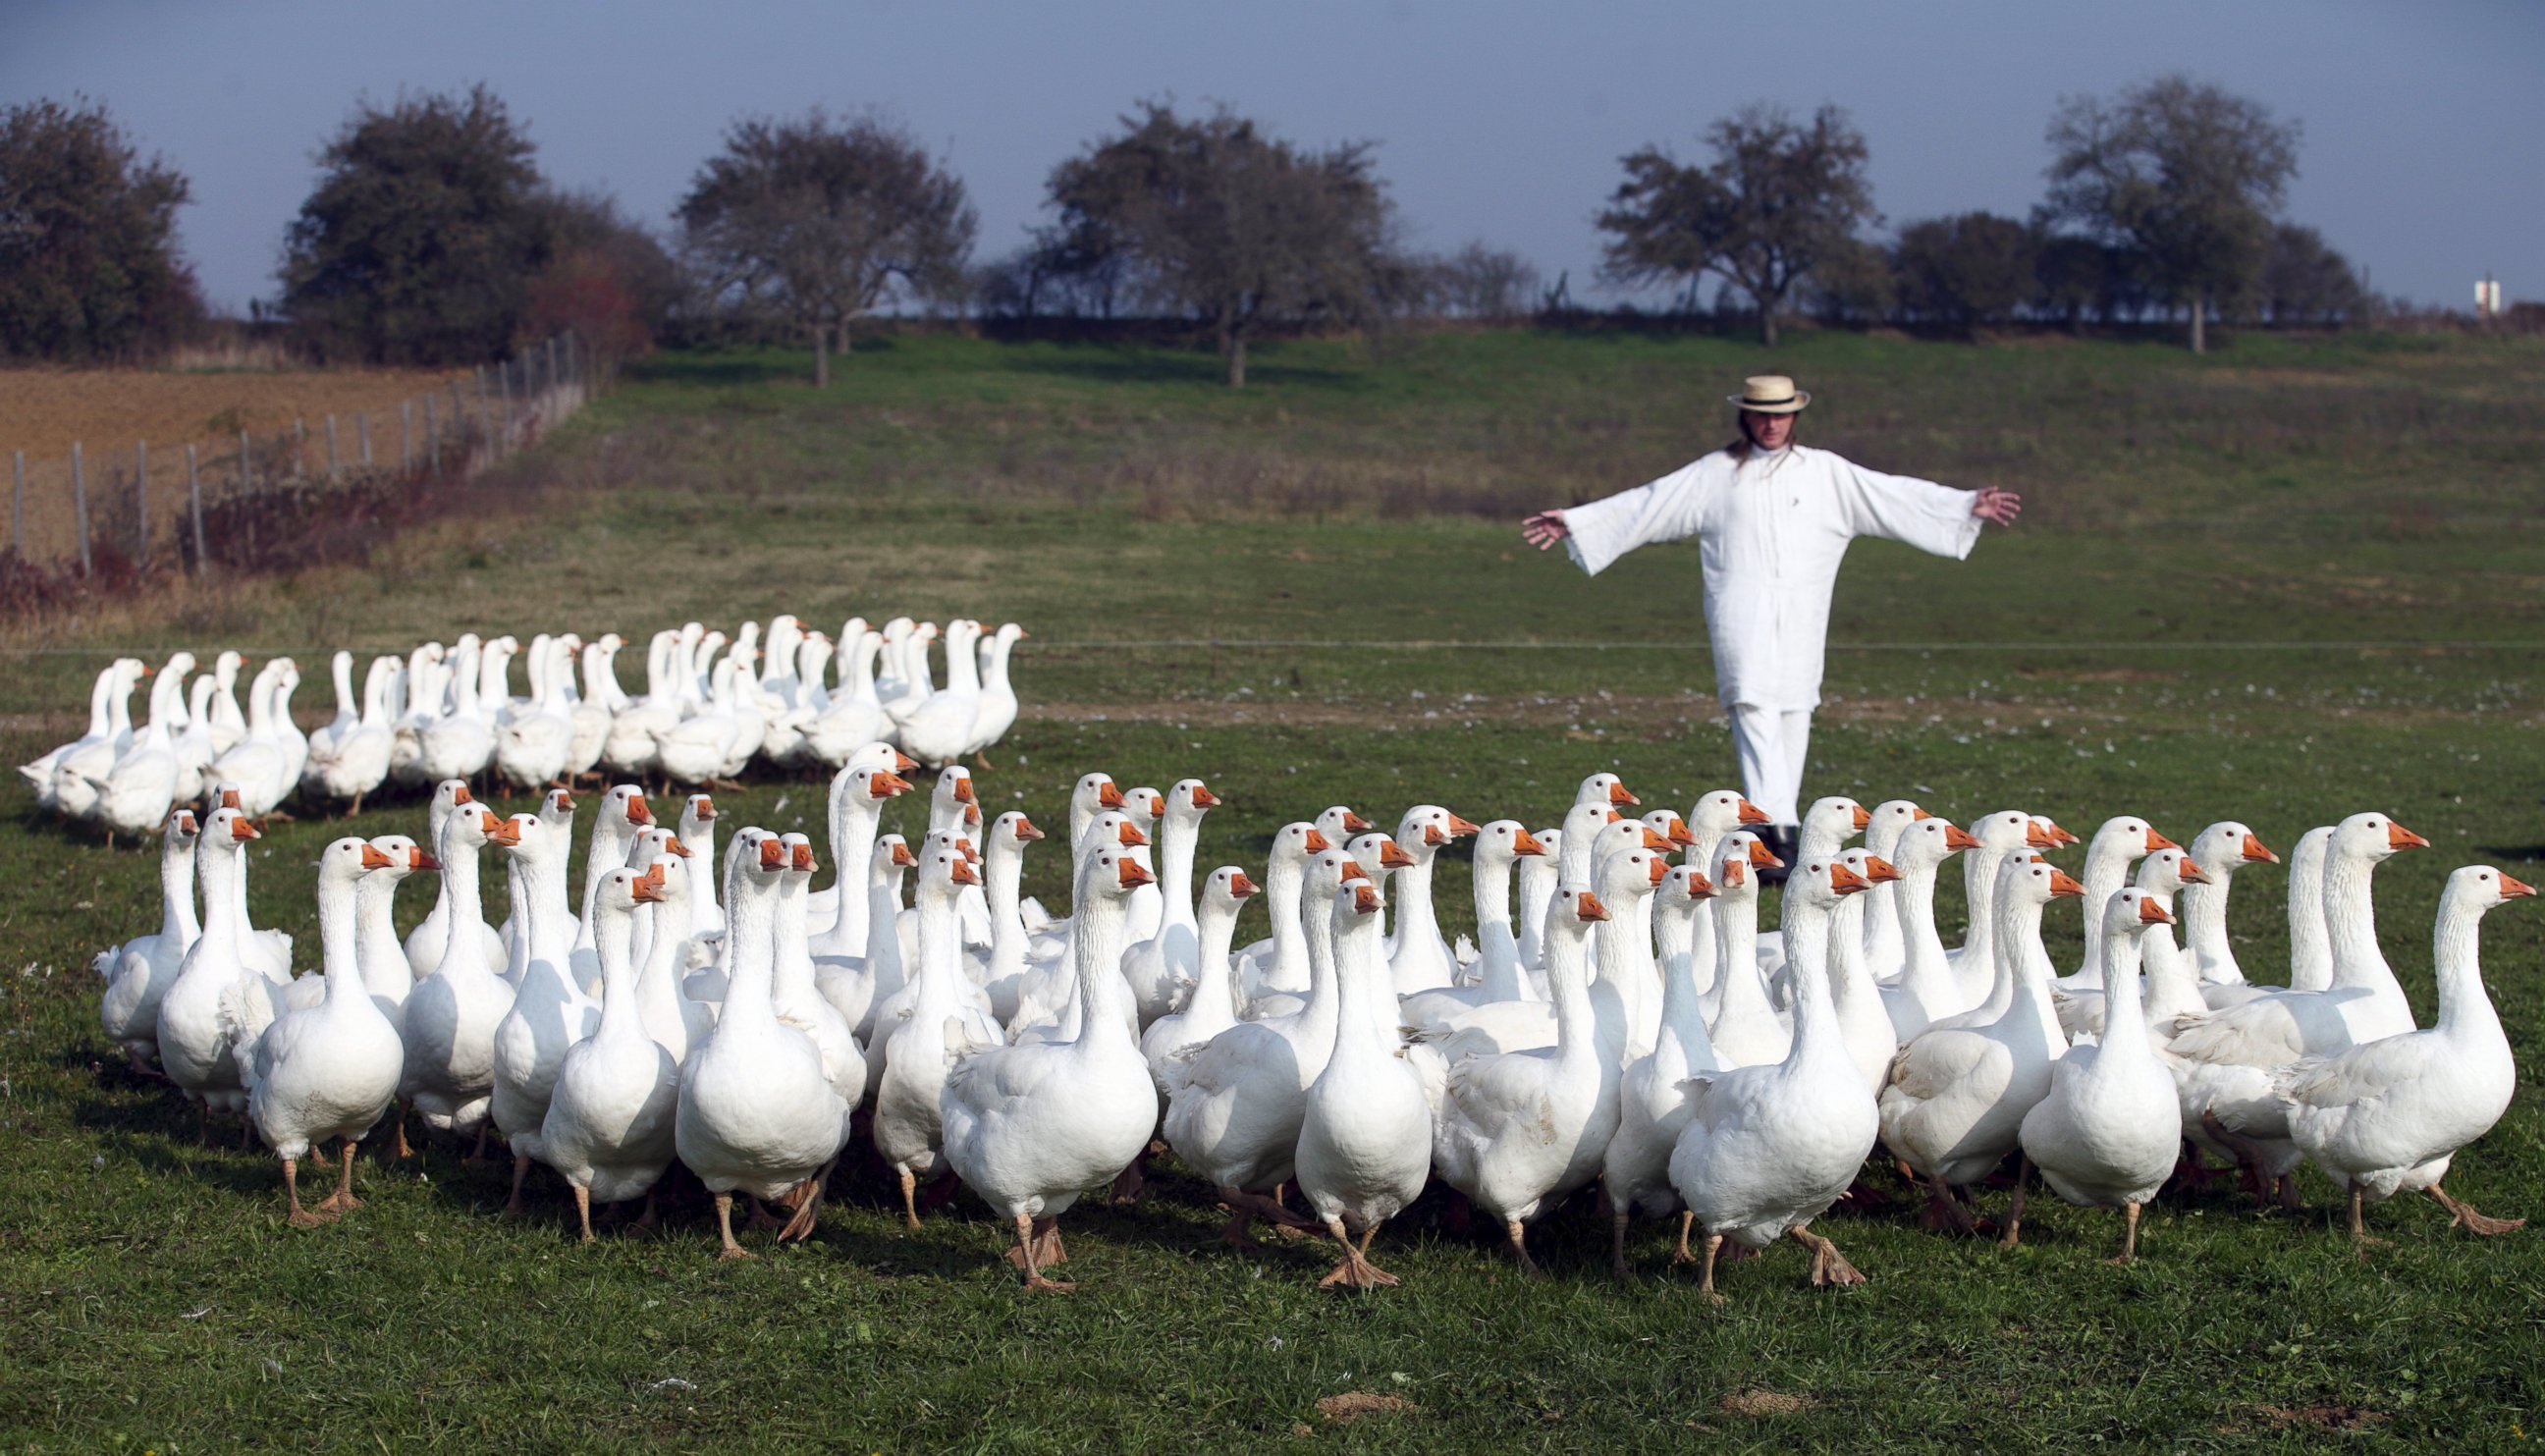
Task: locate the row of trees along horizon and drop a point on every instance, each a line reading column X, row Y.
column 432, row 238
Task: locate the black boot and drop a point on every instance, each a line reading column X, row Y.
column 1784, row 840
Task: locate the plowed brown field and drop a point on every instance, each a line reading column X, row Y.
column 109, row 411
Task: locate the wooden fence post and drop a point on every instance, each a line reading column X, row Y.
column 195, row 507
column 363, row 433
column 300, row 448
column 333, row 472
column 79, row 503
column 504, row 378
column 141, row 502
column 459, row 423
column 18, row 505
column 432, row 436
column 247, row 465
column 554, row 378
column 407, row 436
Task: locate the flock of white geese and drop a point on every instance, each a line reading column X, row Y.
column 707, row 713
column 1631, row 1025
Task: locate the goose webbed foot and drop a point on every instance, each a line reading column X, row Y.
column 341, row 1200
column 1518, row 1238
column 2464, row 1216
column 1355, row 1271
column 801, row 1228
column 300, row 1218
column 1032, row 1240
column 728, row 1249
column 1830, row 1268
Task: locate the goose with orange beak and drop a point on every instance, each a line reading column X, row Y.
column 1418, row 959
column 1517, row 1131
column 1500, row 846
column 1767, row 1149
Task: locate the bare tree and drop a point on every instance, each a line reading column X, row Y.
column 1966, row 270
column 1778, row 198
column 1477, row 282
column 2181, row 173
column 824, row 221
column 1214, row 220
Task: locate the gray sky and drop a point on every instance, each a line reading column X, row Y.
column 1496, row 120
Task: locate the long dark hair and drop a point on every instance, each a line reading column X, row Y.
column 1743, row 446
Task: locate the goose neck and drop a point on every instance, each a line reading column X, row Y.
column 749, row 951
column 612, row 940
column 2310, row 945
column 1100, row 927
column 177, row 921
column 2350, row 916
column 340, row 941
column 2125, row 1032
column 2456, row 952
column 1214, row 995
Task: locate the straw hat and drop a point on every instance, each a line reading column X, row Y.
column 1772, row 395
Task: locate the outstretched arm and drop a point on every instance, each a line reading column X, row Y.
column 1995, row 507
column 1597, row 532
column 1544, row 529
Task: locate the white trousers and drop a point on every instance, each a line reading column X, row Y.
column 1773, row 745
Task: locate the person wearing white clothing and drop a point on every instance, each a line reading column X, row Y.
column 1773, row 521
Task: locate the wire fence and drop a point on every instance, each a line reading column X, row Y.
column 135, row 508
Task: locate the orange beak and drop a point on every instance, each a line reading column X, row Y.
column 1459, row 828
column 903, row 762
column 902, row 859
column 229, row 798
column 1863, row 816
column 1660, row 871
column 186, row 822
column 1432, row 835
column 1240, row 886
column 970, row 854
column 1617, row 795
column 886, row 785
column 418, row 862
column 1734, row 874
column 676, row 847
column 705, row 808
column 1958, row 838
column 1318, row 844
column 963, row 790
column 2064, row 884
column 1751, row 813
column 1026, row 831
column 2403, row 838
column 1109, row 796
column 2192, row 873
column 460, row 795
column 1587, row 906
column 2154, row 913
column 646, row 890
column 637, row 813
column 1915, row 814
column 1613, row 817
column 1678, row 833
column 1879, row 871
column 2158, row 841
column 1699, row 886
column 504, row 833
column 972, row 816
column 561, row 801
column 803, row 860
column 2255, row 850
column 1204, row 798
column 2511, row 889
column 1133, row 876
column 1657, row 843
column 1525, row 843
column 1130, row 837
column 2057, row 835
column 1393, row 856
column 1845, row 880
column 654, row 874
column 773, row 856
column 243, row 831
column 1352, row 871
column 1355, row 824
column 1761, row 856
column 2035, row 838
column 1364, row 899
column 373, row 858
column 963, row 873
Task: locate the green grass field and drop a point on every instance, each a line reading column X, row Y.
column 2293, row 580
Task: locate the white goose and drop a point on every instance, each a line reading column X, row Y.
column 1652, row 1103
column 1954, row 1103
column 919, row 1038
column 332, row 1070
column 451, row 1015
column 135, row 794
column 999, row 968
column 139, row 972
column 669, row 1015
column 854, row 716
column 596, row 709
column 425, row 943
column 2386, row 1116
column 2106, row 1133
column 1999, row 836
column 756, row 1112
column 998, row 711
column 1767, row 1150
column 357, row 760
column 2169, row 987
column 609, row 1126
column 533, row 745
column 2364, row 1001
column 1862, row 1021
column 1884, row 950
column 2220, row 851
column 1030, row 1127
column 1926, row 987
column 937, row 729
column 1365, row 1128
column 2122, row 839
column 208, row 1005
column 1212, row 1008
column 1279, row 965
column 1499, row 846
column 1418, row 959
column 1515, row 1131
column 194, row 745
column 550, row 1012
column 97, row 746
column 628, row 749
column 1161, row 969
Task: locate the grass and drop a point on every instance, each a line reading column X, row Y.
column 2226, row 603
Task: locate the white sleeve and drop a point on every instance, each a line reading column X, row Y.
column 1667, row 510
column 1902, row 507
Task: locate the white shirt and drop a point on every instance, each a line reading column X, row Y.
column 1770, row 533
